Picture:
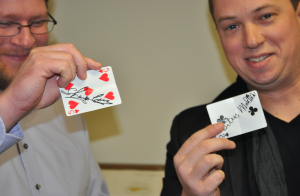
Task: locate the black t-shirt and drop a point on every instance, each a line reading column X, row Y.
column 288, row 140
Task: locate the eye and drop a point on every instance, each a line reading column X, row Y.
column 6, row 25
column 38, row 24
column 266, row 16
column 231, row 27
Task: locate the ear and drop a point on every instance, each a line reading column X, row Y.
column 298, row 10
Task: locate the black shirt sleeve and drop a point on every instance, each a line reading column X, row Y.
column 171, row 184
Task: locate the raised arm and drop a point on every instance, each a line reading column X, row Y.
column 36, row 84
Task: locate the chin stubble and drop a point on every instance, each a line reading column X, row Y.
column 5, row 77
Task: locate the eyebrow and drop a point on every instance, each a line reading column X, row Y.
column 16, row 17
column 267, row 5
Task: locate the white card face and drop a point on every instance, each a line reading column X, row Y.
column 98, row 91
column 240, row 114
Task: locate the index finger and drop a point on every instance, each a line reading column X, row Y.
column 81, row 62
column 206, row 133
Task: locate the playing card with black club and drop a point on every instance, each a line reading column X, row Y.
column 239, row 114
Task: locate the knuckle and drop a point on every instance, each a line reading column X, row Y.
column 85, row 64
column 208, row 160
column 204, row 146
column 34, row 50
column 176, row 159
column 65, row 64
column 181, row 170
column 203, row 189
column 71, row 46
column 69, row 57
column 68, row 77
column 220, row 158
column 219, row 176
column 192, row 139
column 38, row 60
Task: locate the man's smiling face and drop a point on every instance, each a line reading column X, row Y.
column 15, row 49
column 260, row 39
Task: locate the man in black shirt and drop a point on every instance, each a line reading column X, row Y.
column 261, row 39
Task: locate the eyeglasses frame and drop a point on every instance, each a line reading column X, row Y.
column 52, row 20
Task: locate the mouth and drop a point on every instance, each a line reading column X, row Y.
column 17, row 57
column 258, row 59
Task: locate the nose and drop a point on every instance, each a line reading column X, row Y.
column 24, row 39
column 253, row 37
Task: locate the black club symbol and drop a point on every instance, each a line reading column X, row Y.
column 222, row 120
column 252, row 110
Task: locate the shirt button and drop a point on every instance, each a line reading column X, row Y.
column 25, row 146
column 38, row 187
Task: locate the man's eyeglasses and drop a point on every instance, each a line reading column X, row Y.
column 38, row 27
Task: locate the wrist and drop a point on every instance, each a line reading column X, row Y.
column 9, row 113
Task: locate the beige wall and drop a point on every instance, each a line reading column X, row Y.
column 166, row 57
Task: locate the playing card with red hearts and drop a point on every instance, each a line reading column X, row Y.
column 98, row 91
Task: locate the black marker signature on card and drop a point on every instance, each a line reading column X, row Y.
column 228, row 121
column 249, row 97
column 73, row 93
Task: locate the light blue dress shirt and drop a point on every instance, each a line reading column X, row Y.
column 7, row 140
column 51, row 157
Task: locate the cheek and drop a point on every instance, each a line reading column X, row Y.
column 277, row 35
column 232, row 50
column 4, row 40
column 284, row 34
column 41, row 40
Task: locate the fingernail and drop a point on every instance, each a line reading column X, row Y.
column 219, row 125
column 85, row 75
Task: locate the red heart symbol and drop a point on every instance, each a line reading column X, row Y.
column 76, row 111
column 73, row 104
column 110, row 96
column 88, row 91
column 69, row 86
column 101, row 71
column 104, row 77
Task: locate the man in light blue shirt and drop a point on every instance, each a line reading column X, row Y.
column 42, row 151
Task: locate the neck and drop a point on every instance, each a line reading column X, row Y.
column 283, row 103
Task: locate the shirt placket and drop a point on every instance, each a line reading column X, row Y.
column 32, row 169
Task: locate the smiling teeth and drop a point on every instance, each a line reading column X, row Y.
column 256, row 60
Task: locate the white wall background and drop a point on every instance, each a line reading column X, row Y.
column 166, row 57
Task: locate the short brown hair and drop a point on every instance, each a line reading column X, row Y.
column 211, row 6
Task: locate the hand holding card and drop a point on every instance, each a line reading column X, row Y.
column 34, row 85
column 240, row 114
column 98, row 91
column 197, row 167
